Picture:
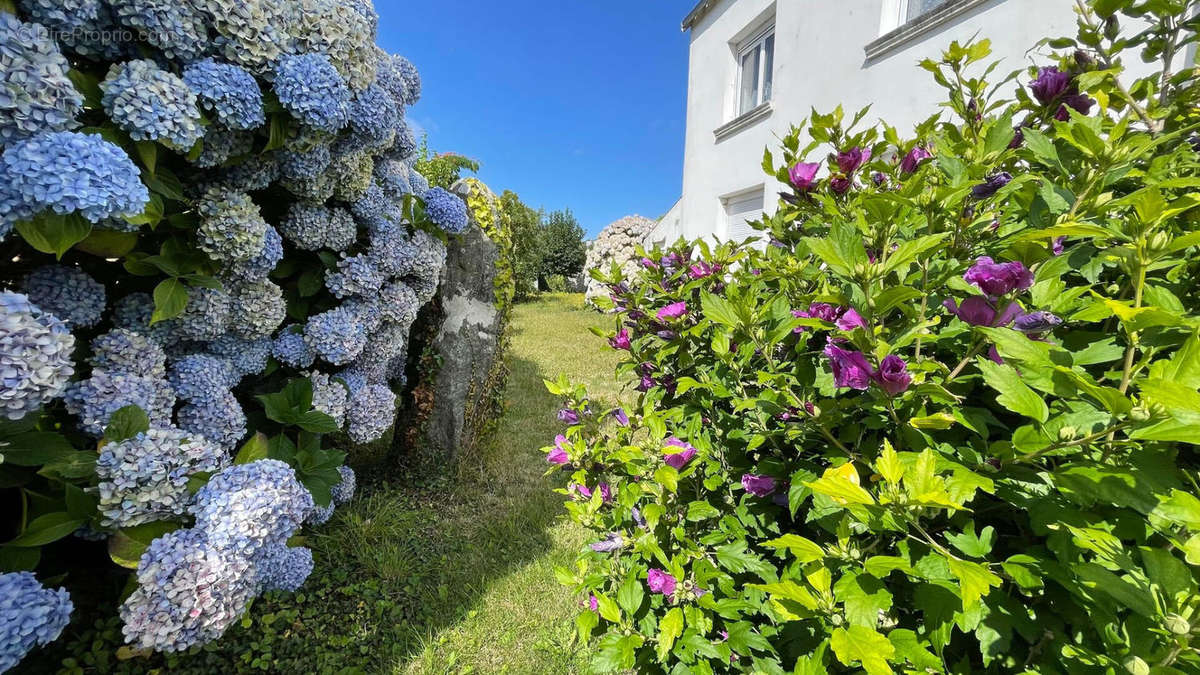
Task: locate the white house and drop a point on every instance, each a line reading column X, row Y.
column 759, row 66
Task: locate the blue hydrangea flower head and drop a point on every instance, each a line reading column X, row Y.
column 177, row 28
column 405, row 147
column 398, row 302
column 329, row 396
column 310, row 88
column 284, row 568
column 372, row 412
column 231, row 227
column 336, row 335
column 257, row 308
column 256, row 172
column 344, row 490
column 321, row 514
column 124, row 351
column 220, row 145
column 258, row 268
column 355, row 275
column 202, row 377
column 250, row 33
column 145, row 478
column 220, row 419
column 252, row 507
column 352, row 174
column 66, row 292
column 420, row 184
column 305, row 164
column 392, row 177
column 412, row 80
column 35, row 356
column 291, row 349
column 374, row 117
column 373, row 204
column 35, row 93
column 189, row 592
column 248, row 357
column 228, row 91
column 134, row 312
column 95, row 399
column 30, row 615
column 85, row 27
column 447, row 210
column 67, row 172
column 151, row 104
column 205, row 316
column 399, row 78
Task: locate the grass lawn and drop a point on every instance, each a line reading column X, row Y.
column 507, row 613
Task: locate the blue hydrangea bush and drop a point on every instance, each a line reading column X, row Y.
column 942, row 416
column 215, row 246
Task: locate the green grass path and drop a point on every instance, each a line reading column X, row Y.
column 499, row 608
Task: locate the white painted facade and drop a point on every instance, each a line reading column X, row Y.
column 826, row 52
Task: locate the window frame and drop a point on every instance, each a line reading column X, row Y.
column 757, row 194
column 755, row 43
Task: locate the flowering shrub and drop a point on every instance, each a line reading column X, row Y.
column 946, row 420
column 215, row 245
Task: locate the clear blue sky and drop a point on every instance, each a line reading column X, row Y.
column 576, row 104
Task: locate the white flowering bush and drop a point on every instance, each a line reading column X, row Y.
column 215, row 246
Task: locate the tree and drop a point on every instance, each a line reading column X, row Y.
column 443, row 169
column 562, row 246
column 525, row 226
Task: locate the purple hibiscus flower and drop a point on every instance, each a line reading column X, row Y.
column 593, row 603
column 1058, row 245
column 804, row 175
column 849, row 320
column 978, row 311
column 569, row 416
column 1050, row 84
column 674, row 310
column 680, row 455
column 893, row 376
column 840, row 184
column 620, row 416
column 1080, row 103
column 913, row 159
column 849, row 161
column 649, row 264
column 621, row 340
column 660, row 582
column 559, row 454
column 850, row 369
column 758, row 485
column 997, row 279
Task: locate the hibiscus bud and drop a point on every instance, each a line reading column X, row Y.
column 1140, row 413
column 1036, row 323
column 1083, row 59
column 1112, row 27
column 1134, row 665
column 1159, row 241
column 991, row 185
column 1067, row 433
column 1177, row 624
column 893, row 375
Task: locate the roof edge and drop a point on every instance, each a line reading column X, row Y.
column 697, row 13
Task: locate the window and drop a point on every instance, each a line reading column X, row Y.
column 756, row 66
column 916, row 8
column 741, row 209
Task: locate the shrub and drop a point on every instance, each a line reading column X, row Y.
column 213, row 256
column 946, row 420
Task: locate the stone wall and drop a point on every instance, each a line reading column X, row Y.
column 616, row 243
column 467, row 345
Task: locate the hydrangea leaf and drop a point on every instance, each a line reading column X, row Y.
column 126, row 423
column 53, row 233
column 47, row 528
column 127, row 545
column 170, row 299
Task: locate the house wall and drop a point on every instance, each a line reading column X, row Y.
column 820, row 62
